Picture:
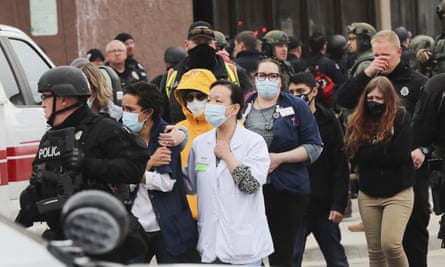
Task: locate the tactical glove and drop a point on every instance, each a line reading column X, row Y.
column 73, row 160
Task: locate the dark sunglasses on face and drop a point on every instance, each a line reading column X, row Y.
column 195, row 95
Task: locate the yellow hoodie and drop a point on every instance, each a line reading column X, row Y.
column 198, row 80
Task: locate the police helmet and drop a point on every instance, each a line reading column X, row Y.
column 364, row 32
column 275, row 37
column 337, row 45
column 440, row 9
column 419, row 42
column 174, row 54
column 402, row 33
column 220, row 40
column 64, row 81
column 362, row 28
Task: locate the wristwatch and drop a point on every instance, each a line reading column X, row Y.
column 425, row 150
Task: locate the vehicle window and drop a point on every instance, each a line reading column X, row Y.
column 8, row 81
column 33, row 65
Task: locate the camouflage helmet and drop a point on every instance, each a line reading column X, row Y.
column 421, row 41
column 64, row 81
column 221, row 41
column 275, row 37
column 362, row 28
column 440, row 9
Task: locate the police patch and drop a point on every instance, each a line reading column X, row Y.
column 404, row 91
column 135, row 75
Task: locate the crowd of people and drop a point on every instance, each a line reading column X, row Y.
column 240, row 150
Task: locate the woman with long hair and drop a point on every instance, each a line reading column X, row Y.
column 378, row 139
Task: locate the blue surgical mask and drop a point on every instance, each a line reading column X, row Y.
column 267, row 89
column 215, row 114
column 131, row 121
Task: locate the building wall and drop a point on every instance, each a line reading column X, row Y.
column 85, row 24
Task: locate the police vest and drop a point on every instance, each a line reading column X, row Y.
column 172, row 81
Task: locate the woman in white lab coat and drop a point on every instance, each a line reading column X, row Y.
column 227, row 167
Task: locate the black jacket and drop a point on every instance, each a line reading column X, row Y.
column 329, row 174
column 327, row 66
column 407, row 82
column 248, row 59
column 386, row 169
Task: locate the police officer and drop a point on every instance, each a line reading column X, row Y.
column 275, row 45
column 359, row 43
column 201, row 54
column 429, row 132
column 405, row 39
column 337, row 49
column 408, row 83
column 131, row 62
column 424, row 43
column 116, row 55
column 104, row 156
column 436, row 56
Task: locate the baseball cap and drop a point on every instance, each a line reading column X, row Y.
column 200, row 29
column 196, row 79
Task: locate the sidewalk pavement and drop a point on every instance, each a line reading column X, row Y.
column 356, row 248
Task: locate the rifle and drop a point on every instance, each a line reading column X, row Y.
column 67, row 182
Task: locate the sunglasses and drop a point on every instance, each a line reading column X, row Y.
column 196, row 31
column 189, row 97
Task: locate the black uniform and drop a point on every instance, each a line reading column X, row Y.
column 408, row 84
column 130, row 75
column 298, row 64
column 114, row 157
column 248, row 59
column 327, row 66
column 406, row 81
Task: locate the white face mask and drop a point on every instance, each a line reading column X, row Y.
column 197, row 107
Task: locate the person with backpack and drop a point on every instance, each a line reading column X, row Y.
column 201, row 50
column 327, row 73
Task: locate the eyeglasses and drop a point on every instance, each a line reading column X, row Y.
column 194, row 95
column 261, row 76
column 297, row 91
column 116, row 51
column 44, row 97
column 374, row 98
column 197, row 30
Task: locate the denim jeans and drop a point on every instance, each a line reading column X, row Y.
column 328, row 236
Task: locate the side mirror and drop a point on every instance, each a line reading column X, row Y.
column 95, row 221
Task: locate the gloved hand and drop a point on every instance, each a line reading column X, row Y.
column 73, row 160
column 423, row 56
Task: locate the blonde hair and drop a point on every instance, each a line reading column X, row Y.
column 100, row 89
column 388, row 36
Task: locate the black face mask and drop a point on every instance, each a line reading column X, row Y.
column 202, row 56
column 306, row 99
column 375, row 109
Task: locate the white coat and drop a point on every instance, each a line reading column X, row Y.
column 232, row 224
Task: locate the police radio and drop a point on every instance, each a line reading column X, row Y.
column 67, row 182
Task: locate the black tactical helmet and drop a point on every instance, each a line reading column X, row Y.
column 403, row 33
column 275, row 37
column 364, row 28
column 440, row 9
column 64, row 81
column 337, row 45
column 174, row 54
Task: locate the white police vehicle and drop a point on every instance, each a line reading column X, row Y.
column 22, row 121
